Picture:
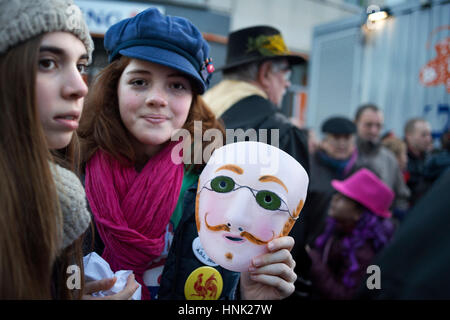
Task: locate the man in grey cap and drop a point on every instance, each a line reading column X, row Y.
column 369, row 121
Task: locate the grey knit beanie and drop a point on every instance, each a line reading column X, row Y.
column 20, row 20
column 72, row 200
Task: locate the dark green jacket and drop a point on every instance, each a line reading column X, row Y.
column 182, row 261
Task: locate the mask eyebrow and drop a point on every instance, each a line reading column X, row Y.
column 269, row 178
column 232, row 167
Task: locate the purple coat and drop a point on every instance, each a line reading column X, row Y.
column 328, row 268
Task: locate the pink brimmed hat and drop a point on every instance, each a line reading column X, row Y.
column 366, row 188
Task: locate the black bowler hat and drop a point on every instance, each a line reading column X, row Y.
column 257, row 44
column 338, row 125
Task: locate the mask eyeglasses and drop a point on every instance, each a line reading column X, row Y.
column 264, row 198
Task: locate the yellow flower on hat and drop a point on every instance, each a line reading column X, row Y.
column 268, row 45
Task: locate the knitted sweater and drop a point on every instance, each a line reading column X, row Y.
column 72, row 201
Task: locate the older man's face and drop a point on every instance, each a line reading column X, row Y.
column 278, row 81
column 339, row 146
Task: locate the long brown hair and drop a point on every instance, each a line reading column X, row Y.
column 30, row 220
column 30, row 215
column 69, row 157
column 101, row 126
column 72, row 255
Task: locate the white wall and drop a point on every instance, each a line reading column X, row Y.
column 294, row 18
column 384, row 69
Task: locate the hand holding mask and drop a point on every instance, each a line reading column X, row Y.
column 249, row 194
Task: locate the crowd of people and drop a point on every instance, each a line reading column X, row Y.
column 89, row 168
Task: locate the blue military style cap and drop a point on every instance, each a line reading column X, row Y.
column 167, row 40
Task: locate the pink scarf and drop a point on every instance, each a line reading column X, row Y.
column 132, row 209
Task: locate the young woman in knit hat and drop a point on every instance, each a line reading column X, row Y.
column 143, row 203
column 45, row 47
column 358, row 227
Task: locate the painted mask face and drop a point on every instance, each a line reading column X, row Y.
column 248, row 194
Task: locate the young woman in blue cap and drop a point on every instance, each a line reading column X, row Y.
column 143, row 203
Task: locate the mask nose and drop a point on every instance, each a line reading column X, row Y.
column 238, row 216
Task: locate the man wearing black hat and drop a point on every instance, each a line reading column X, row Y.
column 256, row 76
column 255, row 79
column 334, row 159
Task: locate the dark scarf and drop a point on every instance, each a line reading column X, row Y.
column 342, row 167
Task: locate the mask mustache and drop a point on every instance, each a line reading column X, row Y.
column 253, row 239
column 244, row 234
column 220, row 227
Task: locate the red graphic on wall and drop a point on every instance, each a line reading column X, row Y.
column 202, row 290
column 437, row 71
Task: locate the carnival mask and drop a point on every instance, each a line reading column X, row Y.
column 248, row 194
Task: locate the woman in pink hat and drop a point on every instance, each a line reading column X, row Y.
column 358, row 227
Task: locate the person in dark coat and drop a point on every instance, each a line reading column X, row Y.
column 419, row 143
column 334, row 159
column 357, row 229
column 438, row 162
column 415, row 265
